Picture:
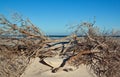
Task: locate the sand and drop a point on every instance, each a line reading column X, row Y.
column 36, row 69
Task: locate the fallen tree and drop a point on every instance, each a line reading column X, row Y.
column 20, row 43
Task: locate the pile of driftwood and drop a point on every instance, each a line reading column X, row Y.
column 21, row 42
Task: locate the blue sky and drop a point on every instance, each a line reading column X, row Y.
column 52, row 16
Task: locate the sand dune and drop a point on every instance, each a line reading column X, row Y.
column 36, row 69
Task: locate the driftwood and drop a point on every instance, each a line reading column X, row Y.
column 20, row 43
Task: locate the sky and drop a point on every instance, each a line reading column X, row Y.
column 52, row 16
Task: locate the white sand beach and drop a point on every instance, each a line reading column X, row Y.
column 36, row 69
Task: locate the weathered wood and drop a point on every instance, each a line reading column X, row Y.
column 73, row 59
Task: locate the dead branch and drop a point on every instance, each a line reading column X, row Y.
column 20, row 43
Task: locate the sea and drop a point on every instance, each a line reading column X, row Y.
column 51, row 36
